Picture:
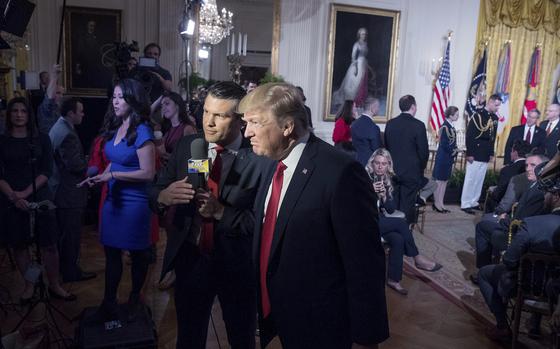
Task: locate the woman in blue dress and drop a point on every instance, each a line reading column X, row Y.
column 445, row 157
column 125, row 222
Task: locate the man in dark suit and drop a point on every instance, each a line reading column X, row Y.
column 536, row 234
column 492, row 235
column 518, row 152
column 317, row 249
column 529, row 133
column 210, row 242
column 552, row 130
column 406, row 139
column 69, row 169
column 366, row 136
column 480, row 139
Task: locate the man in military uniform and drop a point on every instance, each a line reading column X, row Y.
column 480, row 138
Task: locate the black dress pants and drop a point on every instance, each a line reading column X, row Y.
column 408, row 191
column 70, row 224
column 228, row 274
column 489, row 237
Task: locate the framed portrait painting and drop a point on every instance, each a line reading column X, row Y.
column 361, row 58
column 90, row 35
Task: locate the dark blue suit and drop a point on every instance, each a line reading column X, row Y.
column 366, row 138
column 551, row 141
column 516, row 133
column 326, row 270
column 447, row 150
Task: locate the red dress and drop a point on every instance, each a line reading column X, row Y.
column 341, row 132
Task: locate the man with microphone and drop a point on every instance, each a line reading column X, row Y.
column 210, row 242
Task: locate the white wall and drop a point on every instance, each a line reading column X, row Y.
column 253, row 18
column 142, row 20
column 423, row 27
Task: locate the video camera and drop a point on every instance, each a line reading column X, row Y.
column 123, row 54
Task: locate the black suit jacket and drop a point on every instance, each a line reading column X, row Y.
column 480, row 144
column 551, row 141
column 238, row 189
column 531, row 203
column 326, row 272
column 516, row 133
column 506, row 173
column 406, row 139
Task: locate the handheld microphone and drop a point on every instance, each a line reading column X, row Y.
column 199, row 163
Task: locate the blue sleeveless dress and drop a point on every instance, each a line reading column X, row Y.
column 126, row 216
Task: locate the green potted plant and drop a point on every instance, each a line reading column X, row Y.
column 269, row 77
column 454, row 187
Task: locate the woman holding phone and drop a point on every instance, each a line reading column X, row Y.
column 392, row 223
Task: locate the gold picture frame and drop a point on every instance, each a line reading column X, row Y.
column 90, row 35
column 358, row 67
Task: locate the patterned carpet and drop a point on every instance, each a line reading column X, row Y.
column 449, row 240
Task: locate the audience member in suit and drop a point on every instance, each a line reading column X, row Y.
column 317, row 247
column 480, row 139
column 530, row 133
column 445, row 157
column 392, row 223
column 406, row 140
column 342, row 136
column 552, row 130
column 307, row 109
column 37, row 96
column 68, row 171
column 366, row 136
column 492, row 235
column 210, row 242
column 518, row 152
column 497, row 281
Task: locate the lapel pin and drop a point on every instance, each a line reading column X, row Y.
column 304, row 171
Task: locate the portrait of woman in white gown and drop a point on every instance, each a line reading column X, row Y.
column 360, row 58
column 354, row 86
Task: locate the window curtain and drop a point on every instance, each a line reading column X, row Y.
column 526, row 23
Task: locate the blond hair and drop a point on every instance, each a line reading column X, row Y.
column 390, row 172
column 283, row 100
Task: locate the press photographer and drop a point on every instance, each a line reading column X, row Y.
column 154, row 78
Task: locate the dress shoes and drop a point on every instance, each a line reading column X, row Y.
column 420, row 202
column 468, row 211
column 69, row 298
column 499, row 334
column 398, row 288
column 476, row 207
column 474, row 278
column 84, row 275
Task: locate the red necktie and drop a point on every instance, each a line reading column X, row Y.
column 548, row 128
column 528, row 136
column 268, row 232
column 207, row 235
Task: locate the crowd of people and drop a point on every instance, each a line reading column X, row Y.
column 265, row 231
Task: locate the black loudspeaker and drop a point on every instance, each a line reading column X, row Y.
column 139, row 333
column 15, row 16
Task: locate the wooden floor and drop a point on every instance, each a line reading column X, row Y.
column 423, row 319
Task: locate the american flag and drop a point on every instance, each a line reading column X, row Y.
column 442, row 93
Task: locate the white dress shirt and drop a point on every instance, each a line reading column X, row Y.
column 291, row 162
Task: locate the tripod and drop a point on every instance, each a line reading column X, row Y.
column 35, row 208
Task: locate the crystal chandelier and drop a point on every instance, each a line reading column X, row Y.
column 213, row 25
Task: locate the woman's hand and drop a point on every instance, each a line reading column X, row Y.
column 379, row 188
column 99, row 179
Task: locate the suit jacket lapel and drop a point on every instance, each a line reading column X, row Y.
column 301, row 176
